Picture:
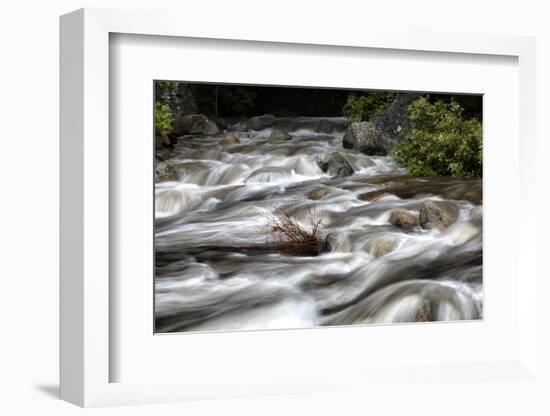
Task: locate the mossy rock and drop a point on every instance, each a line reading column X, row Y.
column 164, row 172
column 230, row 139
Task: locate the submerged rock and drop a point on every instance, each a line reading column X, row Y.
column 380, row 247
column 403, row 219
column 195, row 124
column 261, row 122
column 338, row 166
column 373, row 195
column 317, row 193
column 278, row 134
column 164, row 171
column 438, row 214
column 230, row 139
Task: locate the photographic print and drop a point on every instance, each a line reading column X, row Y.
column 283, row 207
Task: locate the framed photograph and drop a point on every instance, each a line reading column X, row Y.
column 271, row 214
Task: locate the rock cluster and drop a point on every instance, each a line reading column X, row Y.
column 432, row 215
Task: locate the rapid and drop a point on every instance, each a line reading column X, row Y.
column 216, row 271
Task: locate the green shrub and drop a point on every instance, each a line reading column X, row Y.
column 165, row 88
column 163, row 119
column 443, row 142
column 364, row 107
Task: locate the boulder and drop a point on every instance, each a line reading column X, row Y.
column 261, row 122
column 379, row 135
column 373, row 195
column 322, row 165
column 338, row 166
column 325, row 127
column 278, row 134
column 403, row 219
column 365, row 137
column 438, row 214
column 317, row 193
column 195, row 124
column 380, row 247
column 164, row 171
column 393, row 123
column 230, row 139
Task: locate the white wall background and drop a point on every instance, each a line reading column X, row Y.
column 29, row 205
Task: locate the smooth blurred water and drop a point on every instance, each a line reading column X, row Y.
column 215, row 270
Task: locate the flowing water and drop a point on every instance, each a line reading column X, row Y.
column 215, row 269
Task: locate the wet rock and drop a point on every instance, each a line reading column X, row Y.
column 325, row 127
column 322, row 165
column 261, row 122
column 380, row 247
column 330, row 242
column 230, row 139
column 163, row 153
column 438, row 214
column 278, row 134
column 365, row 137
column 373, row 196
column 338, row 166
column 317, row 193
column 195, row 124
column 403, row 219
column 164, row 171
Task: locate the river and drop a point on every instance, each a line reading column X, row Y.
column 215, row 268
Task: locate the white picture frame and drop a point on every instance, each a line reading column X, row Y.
column 86, row 303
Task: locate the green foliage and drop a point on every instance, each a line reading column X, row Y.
column 163, row 119
column 165, row 88
column 364, row 107
column 443, row 141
